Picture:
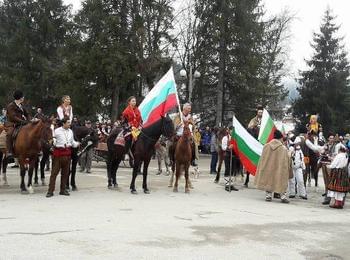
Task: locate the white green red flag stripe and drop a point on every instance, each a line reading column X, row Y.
column 267, row 128
column 160, row 100
column 246, row 147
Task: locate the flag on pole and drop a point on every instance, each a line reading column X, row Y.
column 267, row 128
column 246, row 147
column 160, row 100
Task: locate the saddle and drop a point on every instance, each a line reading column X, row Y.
column 120, row 139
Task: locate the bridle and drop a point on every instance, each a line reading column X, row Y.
column 163, row 130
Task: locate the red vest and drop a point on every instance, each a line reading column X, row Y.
column 133, row 116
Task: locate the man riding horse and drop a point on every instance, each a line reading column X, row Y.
column 17, row 116
column 179, row 121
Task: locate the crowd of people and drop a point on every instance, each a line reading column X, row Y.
column 286, row 165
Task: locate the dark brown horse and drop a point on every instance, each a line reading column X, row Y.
column 183, row 155
column 28, row 145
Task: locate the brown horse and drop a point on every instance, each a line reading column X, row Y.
column 3, row 153
column 183, row 155
column 28, row 145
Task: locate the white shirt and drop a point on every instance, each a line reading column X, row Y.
column 61, row 114
column 337, row 147
column 298, row 158
column 339, row 161
column 63, row 138
column 225, row 142
column 180, row 127
column 314, row 147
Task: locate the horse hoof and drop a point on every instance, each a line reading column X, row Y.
column 175, row 190
column 36, row 184
column 110, row 187
column 24, row 192
column 170, row 185
column 146, row 191
column 216, row 181
column 134, row 191
column 191, row 187
column 74, row 188
column 187, row 191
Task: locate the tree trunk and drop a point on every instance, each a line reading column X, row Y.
column 115, row 103
column 222, row 50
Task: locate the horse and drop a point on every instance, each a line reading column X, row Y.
column 84, row 135
column 144, row 148
column 3, row 153
column 183, row 154
column 27, row 146
column 46, row 152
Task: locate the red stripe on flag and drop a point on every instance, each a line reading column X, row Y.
column 161, row 109
column 273, row 130
column 248, row 165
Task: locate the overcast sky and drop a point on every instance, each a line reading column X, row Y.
column 308, row 18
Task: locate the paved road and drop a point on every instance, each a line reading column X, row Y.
column 209, row 223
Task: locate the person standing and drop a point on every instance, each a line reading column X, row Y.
column 338, row 184
column 61, row 157
column 214, row 148
column 39, row 114
column 17, row 115
column 298, row 167
column 86, row 156
column 274, row 169
column 161, row 154
column 229, row 159
column 65, row 109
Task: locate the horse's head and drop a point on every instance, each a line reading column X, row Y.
column 168, row 129
column 46, row 134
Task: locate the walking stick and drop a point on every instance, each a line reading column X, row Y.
column 230, row 180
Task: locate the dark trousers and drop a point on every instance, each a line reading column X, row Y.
column 59, row 164
column 213, row 162
column 9, row 141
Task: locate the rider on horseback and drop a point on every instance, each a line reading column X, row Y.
column 65, row 110
column 132, row 116
column 179, row 121
column 16, row 116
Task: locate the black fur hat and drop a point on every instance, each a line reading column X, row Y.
column 18, row 94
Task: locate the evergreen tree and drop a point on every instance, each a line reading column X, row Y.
column 324, row 87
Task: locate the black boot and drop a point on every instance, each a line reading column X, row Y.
column 326, row 201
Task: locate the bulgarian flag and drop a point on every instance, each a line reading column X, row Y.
column 246, row 147
column 267, row 128
column 161, row 99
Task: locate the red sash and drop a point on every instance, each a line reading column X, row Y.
column 60, row 152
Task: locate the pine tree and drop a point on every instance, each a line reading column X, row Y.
column 324, row 87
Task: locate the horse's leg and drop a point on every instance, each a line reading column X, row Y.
column 73, row 171
column 43, row 162
column 144, row 182
column 36, row 167
column 177, row 176
column 21, row 162
column 32, row 164
column 187, row 179
column 134, row 175
column 115, row 166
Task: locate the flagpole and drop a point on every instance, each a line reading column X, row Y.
column 178, row 104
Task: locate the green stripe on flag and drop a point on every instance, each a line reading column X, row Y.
column 267, row 131
column 245, row 149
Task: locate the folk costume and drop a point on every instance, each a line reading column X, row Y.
column 133, row 116
column 339, row 180
column 274, row 169
column 298, row 166
column 61, row 157
column 65, row 112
